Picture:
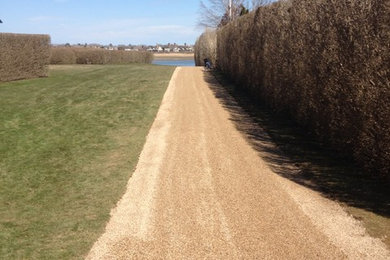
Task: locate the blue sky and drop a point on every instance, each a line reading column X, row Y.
column 98, row 21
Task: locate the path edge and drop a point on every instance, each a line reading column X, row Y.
column 132, row 214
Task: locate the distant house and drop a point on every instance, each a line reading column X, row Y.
column 94, row 45
column 175, row 48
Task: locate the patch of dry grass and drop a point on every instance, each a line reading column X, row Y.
column 376, row 225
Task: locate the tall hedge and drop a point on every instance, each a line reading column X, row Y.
column 326, row 63
column 206, row 48
column 71, row 55
column 23, row 56
column 62, row 56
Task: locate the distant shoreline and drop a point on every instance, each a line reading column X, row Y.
column 173, row 56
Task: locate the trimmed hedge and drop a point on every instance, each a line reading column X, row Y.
column 23, row 56
column 206, row 47
column 62, row 56
column 70, row 55
column 326, row 63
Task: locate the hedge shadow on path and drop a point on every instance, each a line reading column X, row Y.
column 292, row 153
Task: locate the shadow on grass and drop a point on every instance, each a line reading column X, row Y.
column 293, row 154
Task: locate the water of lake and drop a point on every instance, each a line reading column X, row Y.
column 181, row 63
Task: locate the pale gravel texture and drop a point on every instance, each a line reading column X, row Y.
column 201, row 191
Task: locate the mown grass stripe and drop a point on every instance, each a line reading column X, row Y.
column 68, row 144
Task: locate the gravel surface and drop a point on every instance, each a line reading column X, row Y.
column 201, row 191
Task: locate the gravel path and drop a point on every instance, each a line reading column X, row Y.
column 201, row 191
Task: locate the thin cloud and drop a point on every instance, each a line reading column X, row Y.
column 127, row 31
column 36, row 19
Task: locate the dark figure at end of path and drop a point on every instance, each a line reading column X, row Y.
column 207, row 64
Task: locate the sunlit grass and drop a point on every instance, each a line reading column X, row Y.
column 68, row 145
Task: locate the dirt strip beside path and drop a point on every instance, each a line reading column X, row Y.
column 201, row 191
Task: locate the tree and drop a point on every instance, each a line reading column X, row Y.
column 224, row 20
column 257, row 3
column 217, row 13
column 244, row 10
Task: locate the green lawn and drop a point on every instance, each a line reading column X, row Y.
column 68, row 145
